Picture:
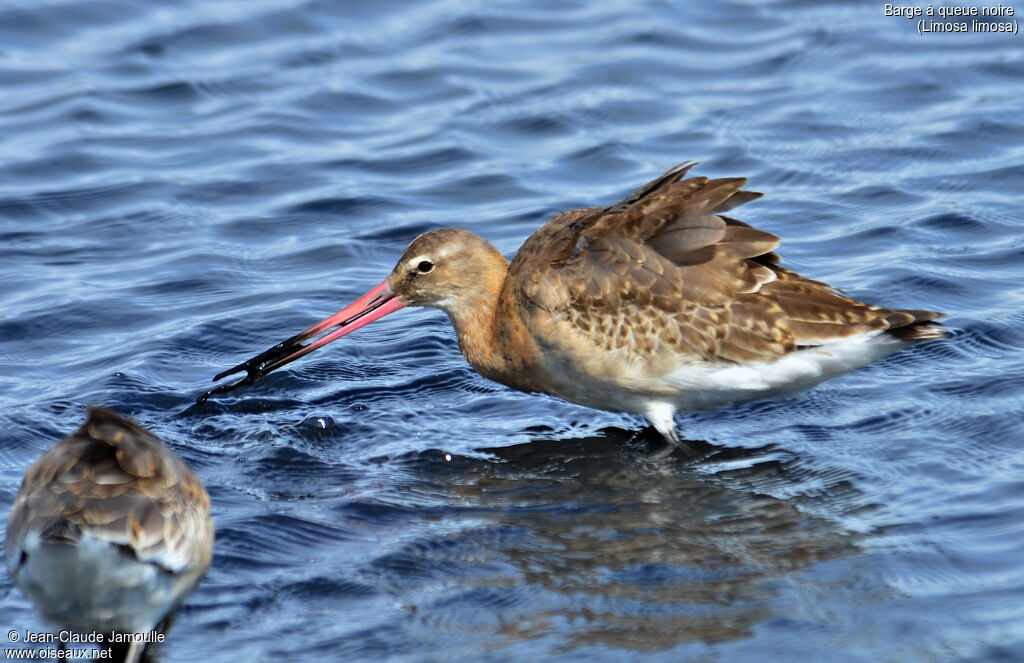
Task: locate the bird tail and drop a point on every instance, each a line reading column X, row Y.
column 915, row 325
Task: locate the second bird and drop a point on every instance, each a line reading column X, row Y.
column 110, row 533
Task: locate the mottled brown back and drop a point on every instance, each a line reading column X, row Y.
column 113, row 479
column 666, row 272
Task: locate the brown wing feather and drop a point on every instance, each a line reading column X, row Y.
column 663, row 270
column 113, row 479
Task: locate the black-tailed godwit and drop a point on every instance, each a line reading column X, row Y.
column 657, row 304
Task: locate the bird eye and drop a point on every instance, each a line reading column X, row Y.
column 424, row 266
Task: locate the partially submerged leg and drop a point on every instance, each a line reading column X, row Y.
column 135, row 652
column 661, row 416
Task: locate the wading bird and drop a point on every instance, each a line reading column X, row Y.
column 657, row 304
column 110, row 532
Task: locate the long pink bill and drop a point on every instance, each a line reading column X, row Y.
column 373, row 305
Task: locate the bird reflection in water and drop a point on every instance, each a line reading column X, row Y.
column 599, row 541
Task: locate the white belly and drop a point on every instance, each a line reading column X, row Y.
column 703, row 386
column 699, row 386
column 95, row 586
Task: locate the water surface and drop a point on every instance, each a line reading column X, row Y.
column 185, row 183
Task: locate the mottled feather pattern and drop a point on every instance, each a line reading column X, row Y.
column 664, row 277
column 655, row 304
column 114, row 480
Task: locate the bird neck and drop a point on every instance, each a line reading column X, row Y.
column 490, row 329
column 475, row 319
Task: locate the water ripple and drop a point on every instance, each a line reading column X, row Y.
column 183, row 184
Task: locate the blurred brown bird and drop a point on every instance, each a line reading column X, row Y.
column 657, row 304
column 110, row 532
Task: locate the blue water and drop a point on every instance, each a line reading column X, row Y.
column 186, row 182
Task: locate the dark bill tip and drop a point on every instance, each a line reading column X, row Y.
column 375, row 304
column 254, row 368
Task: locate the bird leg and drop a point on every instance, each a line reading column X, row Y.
column 135, row 650
column 661, row 416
